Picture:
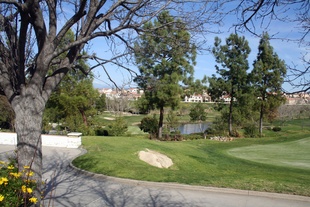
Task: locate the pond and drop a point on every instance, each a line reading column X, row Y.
column 193, row 128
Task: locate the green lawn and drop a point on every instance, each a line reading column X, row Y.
column 294, row 154
column 209, row 163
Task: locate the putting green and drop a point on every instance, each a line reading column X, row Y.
column 294, row 154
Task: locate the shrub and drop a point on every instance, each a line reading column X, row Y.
column 250, row 130
column 197, row 113
column 193, row 136
column 150, row 125
column 101, row 132
column 118, row 127
column 276, row 129
column 15, row 190
column 236, row 133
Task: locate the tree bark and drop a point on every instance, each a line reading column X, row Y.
column 230, row 127
column 261, row 116
column 29, row 108
column 84, row 117
column 161, row 122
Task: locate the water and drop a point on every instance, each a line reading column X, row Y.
column 193, row 128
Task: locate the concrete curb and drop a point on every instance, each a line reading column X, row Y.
column 184, row 186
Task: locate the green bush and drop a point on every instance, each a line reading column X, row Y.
column 193, row 136
column 250, row 130
column 101, row 132
column 149, row 125
column 171, row 137
column 276, row 129
column 118, row 127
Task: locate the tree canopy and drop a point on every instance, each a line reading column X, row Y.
column 232, row 58
column 165, row 57
column 267, row 78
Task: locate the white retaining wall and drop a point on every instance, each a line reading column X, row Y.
column 72, row 140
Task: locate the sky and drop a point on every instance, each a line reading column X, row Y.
column 288, row 51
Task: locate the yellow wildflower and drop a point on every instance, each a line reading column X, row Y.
column 26, row 167
column 33, row 200
column 1, row 197
column 10, row 167
column 24, row 189
column 29, row 174
column 4, row 181
column 16, row 175
column 2, row 162
column 29, row 190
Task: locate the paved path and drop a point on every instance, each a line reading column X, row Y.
column 70, row 187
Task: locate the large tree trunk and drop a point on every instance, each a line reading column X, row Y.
column 29, row 107
column 161, row 122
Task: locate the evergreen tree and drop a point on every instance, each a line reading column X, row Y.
column 233, row 72
column 165, row 57
column 74, row 99
column 198, row 113
column 7, row 115
column 267, row 77
column 101, row 104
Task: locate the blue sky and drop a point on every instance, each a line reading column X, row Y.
column 290, row 52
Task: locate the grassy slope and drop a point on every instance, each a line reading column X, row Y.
column 199, row 162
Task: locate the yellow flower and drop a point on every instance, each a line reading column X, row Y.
column 2, row 162
column 29, row 174
column 33, row 200
column 24, row 189
column 10, row 167
column 16, row 175
column 29, row 190
column 1, row 197
column 4, row 181
column 26, row 167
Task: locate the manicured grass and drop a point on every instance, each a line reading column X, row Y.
column 204, row 162
column 295, row 154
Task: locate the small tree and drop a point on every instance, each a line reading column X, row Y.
column 101, row 103
column 118, row 127
column 198, row 113
column 150, row 125
column 172, row 121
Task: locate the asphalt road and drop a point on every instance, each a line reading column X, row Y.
column 67, row 186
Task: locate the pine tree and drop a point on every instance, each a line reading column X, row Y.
column 233, row 72
column 165, row 58
column 267, row 77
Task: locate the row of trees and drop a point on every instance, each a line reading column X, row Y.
column 257, row 92
column 166, row 57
